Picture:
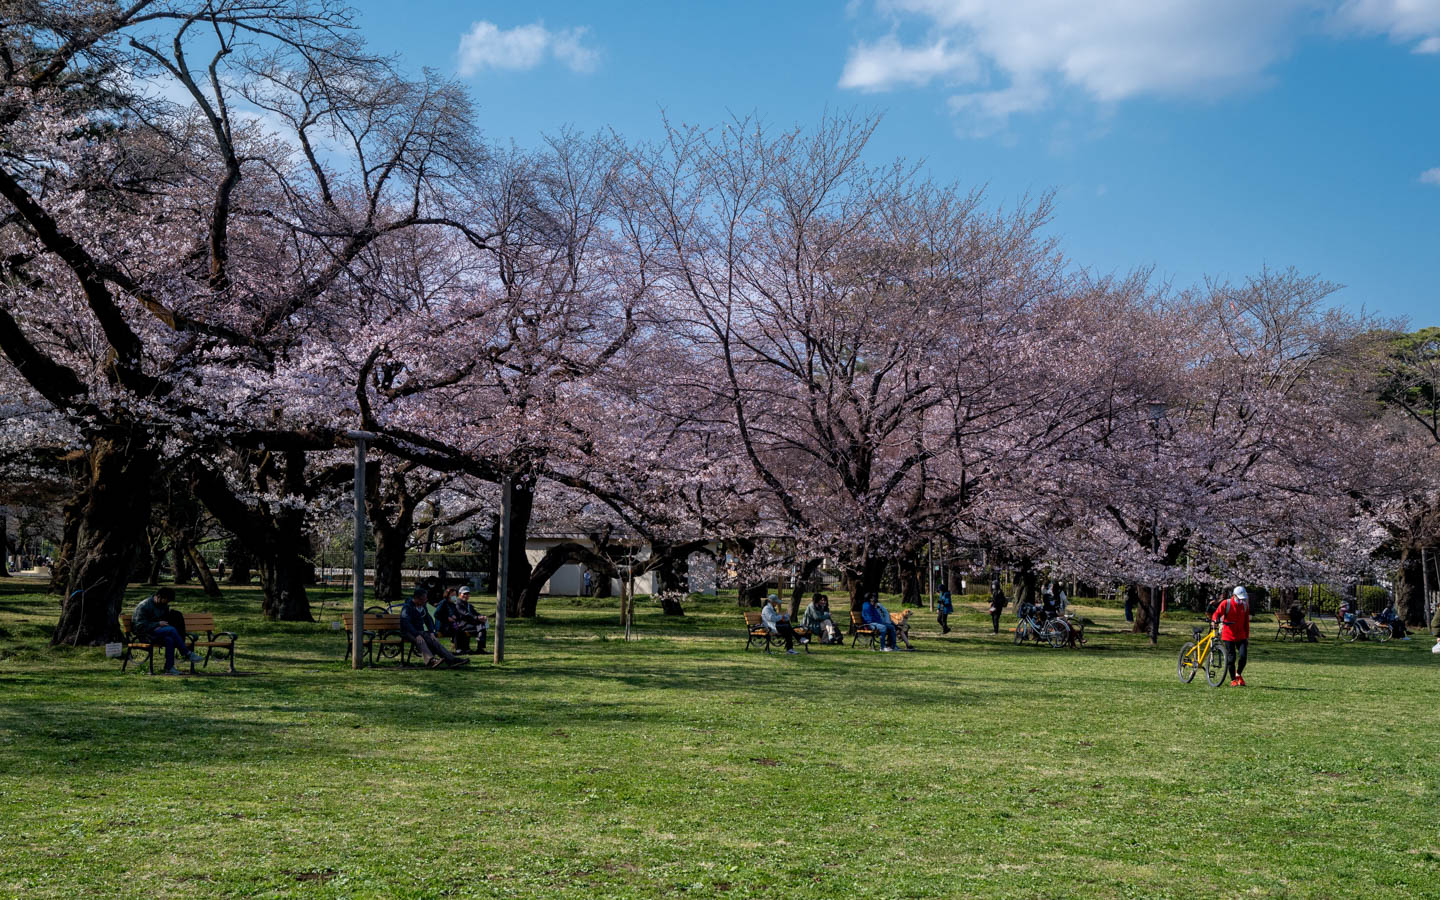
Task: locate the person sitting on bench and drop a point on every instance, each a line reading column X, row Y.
column 1298, row 623
column 777, row 622
column 818, row 622
column 418, row 628
column 154, row 622
column 875, row 615
column 456, row 619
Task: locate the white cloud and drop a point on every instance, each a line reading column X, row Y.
column 885, row 64
column 487, row 46
column 1431, row 176
column 1400, row 20
column 1019, row 54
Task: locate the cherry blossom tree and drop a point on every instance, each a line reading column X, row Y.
column 164, row 260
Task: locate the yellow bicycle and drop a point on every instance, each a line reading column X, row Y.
column 1203, row 652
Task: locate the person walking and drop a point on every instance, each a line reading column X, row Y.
column 943, row 608
column 997, row 606
column 154, row 622
column 1234, row 617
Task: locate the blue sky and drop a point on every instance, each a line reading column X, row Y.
column 1200, row 137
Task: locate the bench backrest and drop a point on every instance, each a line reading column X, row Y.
column 194, row 622
column 857, row 621
column 374, row 622
column 753, row 620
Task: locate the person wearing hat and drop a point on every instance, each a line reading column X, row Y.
column 1234, row 617
column 418, row 628
column 457, row 619
column 778, row 623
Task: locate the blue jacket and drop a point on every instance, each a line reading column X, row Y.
column 874, row 613
column 946, row 605
column 415, row 619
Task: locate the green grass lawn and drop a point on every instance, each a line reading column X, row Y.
column 680, row 765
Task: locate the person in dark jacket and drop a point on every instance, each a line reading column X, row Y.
column 418, row 628
column 943, row 608
column 456, row 619
column 997, row 606
column 154, row 622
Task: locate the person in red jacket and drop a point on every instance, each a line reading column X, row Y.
column 1234, row 617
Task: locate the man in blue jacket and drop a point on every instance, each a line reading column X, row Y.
column 875, row 614
column 419, row 629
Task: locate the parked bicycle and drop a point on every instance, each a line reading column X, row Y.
column 1202, row 652
column 1354, row 628
column 1032, row 624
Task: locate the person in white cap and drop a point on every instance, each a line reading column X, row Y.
column 1234, row 618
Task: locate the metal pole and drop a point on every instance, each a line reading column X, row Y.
column 502, row 586
column 1425, row 585
column 930, row 564
column 630, row 598
column 357, row 609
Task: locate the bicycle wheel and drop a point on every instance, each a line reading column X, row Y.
column 1019, row 632
column 1215, row 665
column 1349, row 633
column 1185, row 668
column 1057, row 632
column 1382, row 633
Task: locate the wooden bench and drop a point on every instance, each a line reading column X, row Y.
column 757, row 633
column 381, row 637
column 860, row 628
column 199, row 632
column 1287, row 631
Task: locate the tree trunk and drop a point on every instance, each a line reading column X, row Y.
column 911, row 586
column 1139, row 608
column 283, row 576
column 180, row 563
column 60, row 571
column 154, row 562
column 522, row 503
column 389, row 563
column 203, row 573
column 1147, row 610
column 240, row 561
column 1027, row 582
column 797, row 591
column 863, row 579
column 1410, row 593
column 280, row 545
column 115, row 498
column 672, row 573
